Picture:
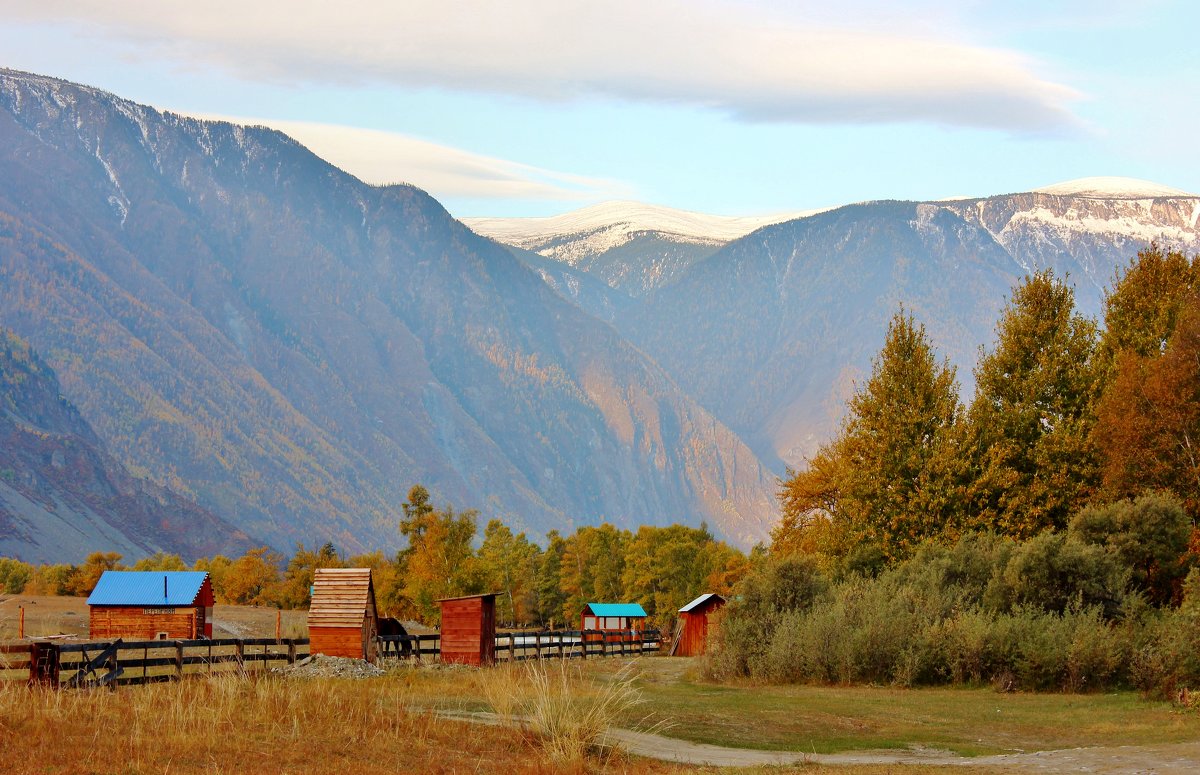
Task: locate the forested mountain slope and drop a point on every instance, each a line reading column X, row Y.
column 293, row 348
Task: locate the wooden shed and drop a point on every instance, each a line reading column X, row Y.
column 691, row 634
column 469, row 629
column 150, row 605
column 612, row 616
column 341, row 618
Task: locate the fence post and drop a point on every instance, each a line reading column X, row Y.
column 291, row 651
column 239, row 648
column 178, row 659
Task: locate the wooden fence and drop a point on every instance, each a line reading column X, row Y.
column 119, row 662
column 517, row 646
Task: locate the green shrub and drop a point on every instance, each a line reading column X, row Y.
column 14, row 575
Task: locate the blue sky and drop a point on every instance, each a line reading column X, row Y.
column 738, row 107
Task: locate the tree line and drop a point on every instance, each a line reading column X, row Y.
column 1066, row 414
column 1042, row 535
column 662, row 568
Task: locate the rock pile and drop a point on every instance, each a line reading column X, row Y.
column 322, row 666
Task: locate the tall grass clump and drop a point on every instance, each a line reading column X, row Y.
column 565, row 715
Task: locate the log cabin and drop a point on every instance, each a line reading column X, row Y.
column 149, row 605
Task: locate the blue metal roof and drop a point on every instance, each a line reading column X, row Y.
column 128, row 587
column 617, row 609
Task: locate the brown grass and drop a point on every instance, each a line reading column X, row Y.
column 55, row 615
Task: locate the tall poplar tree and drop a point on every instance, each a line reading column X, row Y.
column 877, row 482
column 1032, row 463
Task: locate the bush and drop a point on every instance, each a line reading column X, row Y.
column 1149, row 535
column 14, row 575
column 1054, row 571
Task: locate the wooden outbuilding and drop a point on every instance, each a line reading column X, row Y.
column 341, row 617
column 694, row 627
column 468, row 632
column 149, row 605
column 612, row 616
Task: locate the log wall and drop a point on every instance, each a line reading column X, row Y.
column 145, row 623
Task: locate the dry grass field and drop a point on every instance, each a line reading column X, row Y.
column 50, row 615
column 277, row 724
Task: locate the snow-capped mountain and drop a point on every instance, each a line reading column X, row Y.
column 632, row 246
column 1085, row 227
column 770, row 330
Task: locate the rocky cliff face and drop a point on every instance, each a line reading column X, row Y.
column 245, row 323
column 63, row 496
column 1088, row 238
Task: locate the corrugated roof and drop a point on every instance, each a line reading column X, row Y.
column 702, row 600
column 129, row 587
column 616, row 609
column 342, row 597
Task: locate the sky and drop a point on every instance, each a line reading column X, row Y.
column 731, row 107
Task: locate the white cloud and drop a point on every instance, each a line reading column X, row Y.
column 382, row 158
column 752, row 61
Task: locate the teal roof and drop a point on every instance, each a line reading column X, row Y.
column 127, row 587
column 615, row 609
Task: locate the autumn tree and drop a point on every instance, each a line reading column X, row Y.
column 592, row 565
column 84, row 579
column 508, row 564
column 667, row 567
column 438, row 561
column 389, row 586
column 877, row 482
column 1031, row 462
column 1144, row 306
column 160, row 561
column 1148, row 428
column 300, row 573
column 549, row 588
column 253, row 578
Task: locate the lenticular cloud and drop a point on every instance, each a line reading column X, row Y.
column 730, row 57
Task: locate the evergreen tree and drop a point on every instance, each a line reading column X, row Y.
column 1027, row 437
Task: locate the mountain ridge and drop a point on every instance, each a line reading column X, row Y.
column 299, row 347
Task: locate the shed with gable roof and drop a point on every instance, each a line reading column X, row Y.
column 148, row 605
column 341, row 618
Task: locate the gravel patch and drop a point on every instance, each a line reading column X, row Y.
column 322, row 666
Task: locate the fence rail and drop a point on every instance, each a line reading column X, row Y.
column 518, row 646
column 123, row 662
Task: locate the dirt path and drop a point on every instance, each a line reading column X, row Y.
column 1174, row 758
column 1171, row 759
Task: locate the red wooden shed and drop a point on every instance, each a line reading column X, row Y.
column 341, row 618
column 469, row 629
column 691, row 634
column 151, row 604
